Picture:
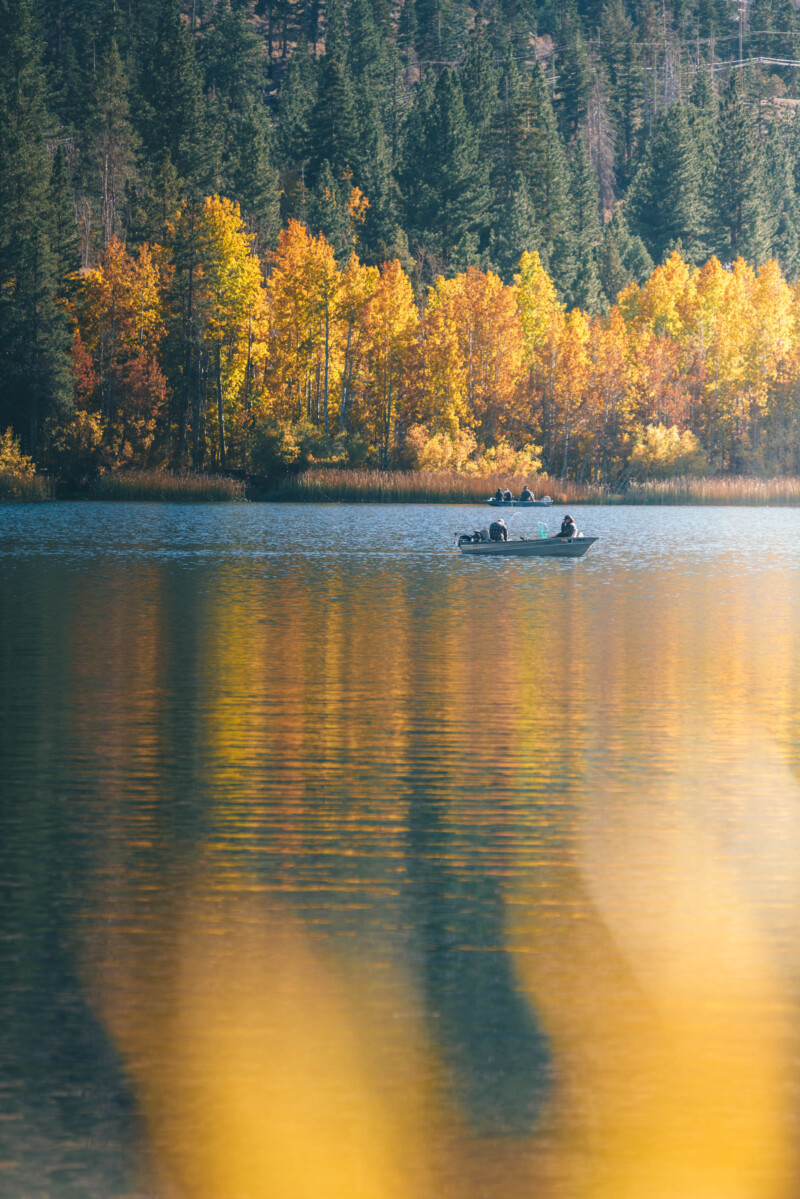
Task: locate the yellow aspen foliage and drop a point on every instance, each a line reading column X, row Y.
column 570, row 388
column 441, row 377
column 539, row 307
column 358, row 285
column 312, row 360
column 229, row 295
column 391, row 324
column 305, row 351
column 610, row 398
column 657, row 303
column 489, row 332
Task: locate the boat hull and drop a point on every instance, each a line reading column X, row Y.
column 520, row 503
column 542, row 547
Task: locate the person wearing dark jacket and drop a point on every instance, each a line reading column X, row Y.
column 498, row 531
column 498, row 495
column 568, row 528
column 507, row 496
column 525, row 494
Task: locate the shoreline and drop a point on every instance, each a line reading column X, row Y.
column 337, row 486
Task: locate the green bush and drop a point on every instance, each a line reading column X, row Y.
column 18, row 478
column 287, row 447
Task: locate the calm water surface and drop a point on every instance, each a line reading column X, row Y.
column 334, row 865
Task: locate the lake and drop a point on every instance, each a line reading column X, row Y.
column 334, row 864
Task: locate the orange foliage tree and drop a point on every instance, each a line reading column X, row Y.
column 119, row 331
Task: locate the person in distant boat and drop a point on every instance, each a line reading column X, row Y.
column 525, row 494
column 568, row 528
column 498, row 495
column 507, row 495
column 498, row 530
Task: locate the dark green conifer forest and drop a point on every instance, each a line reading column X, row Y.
column 603, row 134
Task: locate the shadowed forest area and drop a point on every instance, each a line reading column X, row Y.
column 501, row 239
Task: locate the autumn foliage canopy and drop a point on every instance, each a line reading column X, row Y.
column 301, row 357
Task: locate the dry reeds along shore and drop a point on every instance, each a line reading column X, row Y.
column 399, row 487
column 186, row 486
column 25, row 489
column 421, row 487
column 328, row 486
column 733, row 489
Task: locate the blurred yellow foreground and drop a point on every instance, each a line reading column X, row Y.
column 272, row 1063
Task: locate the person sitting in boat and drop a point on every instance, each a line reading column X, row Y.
column 507, row 496
column 498, row 530
column 525, row 494
column 568, row 528
column 498, row 495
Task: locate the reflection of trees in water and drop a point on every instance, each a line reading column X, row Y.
column 66, row 1114
column 488, row 1034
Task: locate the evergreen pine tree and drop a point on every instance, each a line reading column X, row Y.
column 171, row 110
column 445, row 182
column 783, row 217
column 586, row 289
column 516, row 230
column 622, row 59
column 233, row 59
column 574, row 78
column 547, row 177
column 298, row 96
column 441, row 30
column 34, row 338
column 109, row 144
column 712, row 18
column 251, row 177
column 508, row 134
column 372, row 173
column 664, row 202
column 407, row 32
column 519, row 20
column 333, row 123
column 739, row 204
column 365, row 51
column 623, row 258
column 327, row 211
column 64, row 229
column 613, row 275
column 479, row 82
column 702, row 113
column 156, row 203
column 780, row 18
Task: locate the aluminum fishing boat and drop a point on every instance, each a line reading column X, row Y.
column 521, row 547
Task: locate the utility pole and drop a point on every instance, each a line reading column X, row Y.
column 741, row 25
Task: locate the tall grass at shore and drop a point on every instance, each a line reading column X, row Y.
column 25, row 488
column 725, row 489
column 422, row 487
column 186, row 486
column 445, row 487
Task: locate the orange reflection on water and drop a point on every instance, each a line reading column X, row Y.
column 661, row 958
column 259, row 1062
column 635, row 768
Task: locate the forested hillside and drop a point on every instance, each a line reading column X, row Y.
column 445, row 138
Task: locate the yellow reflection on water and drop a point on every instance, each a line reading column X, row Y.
column 661, row 959
column 260, row 1063
column 636, row 774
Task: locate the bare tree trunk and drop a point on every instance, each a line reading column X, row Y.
column 388, row 418
column 197, row 409
column 327, row 357
column 187, row 382
column 220, row 412
column 345, row 378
